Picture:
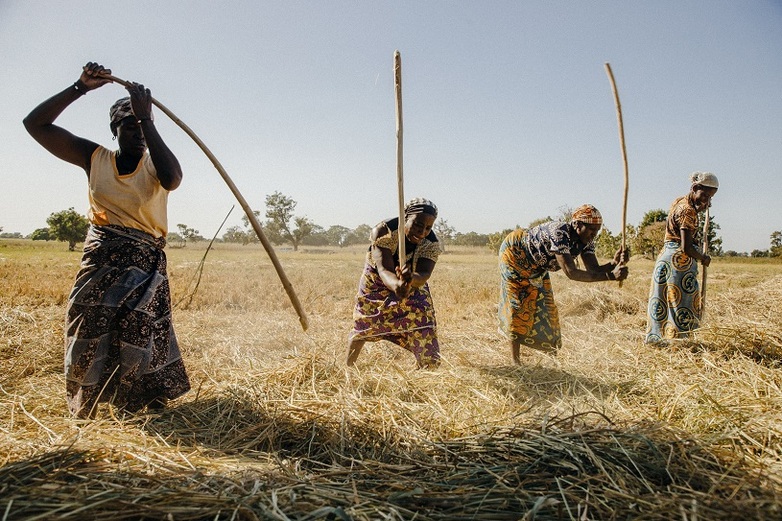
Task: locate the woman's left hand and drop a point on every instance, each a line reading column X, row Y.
column 140, row 101
column 622, row 256
column 405, row 276
column 620, row 272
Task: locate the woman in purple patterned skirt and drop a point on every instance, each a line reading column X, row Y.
column 393, row 301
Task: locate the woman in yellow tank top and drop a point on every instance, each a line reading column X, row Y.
column 120, row 342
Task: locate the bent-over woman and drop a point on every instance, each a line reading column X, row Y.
column 675, row 299
column 120, row 345
column 527, row 313
column 393, row 301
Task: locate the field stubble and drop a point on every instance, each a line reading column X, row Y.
column 276, row 427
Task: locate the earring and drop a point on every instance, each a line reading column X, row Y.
column 113, row 138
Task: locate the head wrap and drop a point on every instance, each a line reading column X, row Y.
column 119, row 111
column 704, row 179
column 420, row 205
column 587, row 214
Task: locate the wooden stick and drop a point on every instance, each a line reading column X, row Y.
column 242, row 202
column 624, row 154
column 706, row 224
column 400, row 184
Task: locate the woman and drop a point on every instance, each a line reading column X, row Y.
column 675, row 300
column 120, row 343
column 393, row 301
column 527, row 311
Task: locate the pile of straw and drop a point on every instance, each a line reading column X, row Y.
column 277, row 428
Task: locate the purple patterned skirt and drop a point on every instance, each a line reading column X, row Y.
column 409, row 323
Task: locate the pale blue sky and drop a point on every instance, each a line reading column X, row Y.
column 507, row 107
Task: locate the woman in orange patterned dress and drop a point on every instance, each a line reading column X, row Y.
column 393, row 301
column 527, row 312
column 674, row 299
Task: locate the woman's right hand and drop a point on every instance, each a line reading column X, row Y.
column 706, row 260
column 620, row 272
column 404, row 277
column 92, row 76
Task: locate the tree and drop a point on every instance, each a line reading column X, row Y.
column 235, row 234
column 496, row 238
column 41, row 234
column 776, row 244
column 606, row 243
column 650, row 238
column 279, row 214
column 188, row 234
column 317, row 237
column 68, row 226
column 249, row 232
column 471, row 239
column 338, row 235
column 444, row 232
column 360, row 235
column 174, row 240
column 651, row 233
column 538, row 221
column 715, row 243
column 734, row 253
column 653, row 216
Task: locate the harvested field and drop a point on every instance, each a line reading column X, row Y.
column 276, row 427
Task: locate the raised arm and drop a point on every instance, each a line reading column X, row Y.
column 61, row 143
column 169, row 171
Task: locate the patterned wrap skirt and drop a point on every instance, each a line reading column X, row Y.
column 120, row 345
column 675, row 299
column 410, row 322
column 527, row 312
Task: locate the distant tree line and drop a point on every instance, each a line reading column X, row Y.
column 282, row 226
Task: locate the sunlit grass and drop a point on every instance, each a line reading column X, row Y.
column 277, row 428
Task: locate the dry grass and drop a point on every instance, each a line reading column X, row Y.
column 277, row 428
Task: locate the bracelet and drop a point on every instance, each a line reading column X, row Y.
column 138, row 121
column 609, row 275
column 79, row 86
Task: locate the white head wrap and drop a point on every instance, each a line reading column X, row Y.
column 704, row 179
column 420, row 205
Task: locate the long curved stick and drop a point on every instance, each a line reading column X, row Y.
column 242, row 202
column 400, row 183
column 706, row 224
column 624, row 154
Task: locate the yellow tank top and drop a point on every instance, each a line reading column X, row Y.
column 134, row 200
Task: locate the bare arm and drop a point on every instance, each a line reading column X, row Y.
column 688, row 247
column 424, row 269
column 384, row 260
column 169, row 172
column 61, row 143
column 594, row 272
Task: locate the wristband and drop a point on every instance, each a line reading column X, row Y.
column 78, row 86
column 138, row 121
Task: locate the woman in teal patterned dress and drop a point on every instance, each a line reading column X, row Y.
column 674, row 299
column 393, row 301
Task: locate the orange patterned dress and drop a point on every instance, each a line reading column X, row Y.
column 527, row 311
